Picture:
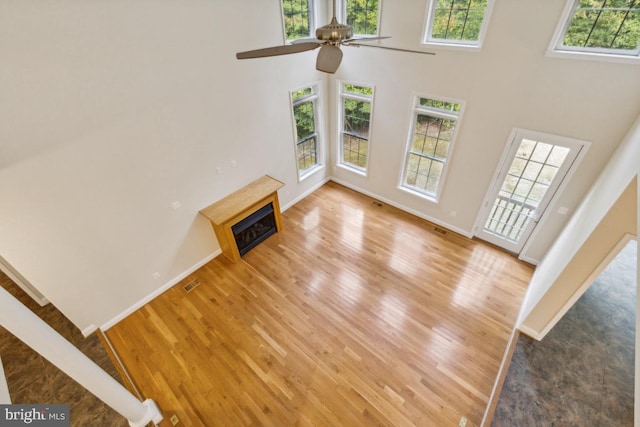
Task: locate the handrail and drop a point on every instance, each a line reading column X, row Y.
column 516, row 202
column 505, row 227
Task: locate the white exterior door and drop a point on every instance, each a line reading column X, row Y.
column 532, row 168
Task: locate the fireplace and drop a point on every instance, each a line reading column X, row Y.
column 246, row 217
column 254, row 229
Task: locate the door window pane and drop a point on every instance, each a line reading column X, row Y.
column 524, row 187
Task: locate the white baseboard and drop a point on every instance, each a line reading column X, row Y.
column 536, row 335
column 157, row 292
column 465, row 233
column 89, row 330
column 529, row 260
column 23, row 283
column 305, row 194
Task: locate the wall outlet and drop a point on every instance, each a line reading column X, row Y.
column 156, row 275
column 176, row 205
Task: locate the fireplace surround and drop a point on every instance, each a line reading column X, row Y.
column 246, row 217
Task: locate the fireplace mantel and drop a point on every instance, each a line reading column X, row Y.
column 232, row 209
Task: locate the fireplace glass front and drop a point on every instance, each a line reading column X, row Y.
column 254, row 229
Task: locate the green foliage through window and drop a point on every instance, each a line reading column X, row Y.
column 430, row 144
column 356, row 120
column 362, row 15
column 440, row 105
column 304, row 114
column 458, row 20
column 300, row 93
column 604, row 24
column 361, row 90
column 297, row 18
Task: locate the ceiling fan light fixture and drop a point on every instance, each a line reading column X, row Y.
column 329, row 58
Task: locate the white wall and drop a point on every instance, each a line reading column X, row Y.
column 111, row 111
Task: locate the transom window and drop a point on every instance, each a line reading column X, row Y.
column 457, row 22
column 362, row 15
column 305, row 114
column 298, row 18
column 355, row 120
column 609, row 27
column 434, row 125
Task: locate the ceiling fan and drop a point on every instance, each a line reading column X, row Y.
column 329, row 38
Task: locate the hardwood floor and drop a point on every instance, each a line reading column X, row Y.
column 354, row 315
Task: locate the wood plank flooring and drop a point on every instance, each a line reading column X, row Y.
column 355, row 314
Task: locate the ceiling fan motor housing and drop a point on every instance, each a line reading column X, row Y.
column 334, row 32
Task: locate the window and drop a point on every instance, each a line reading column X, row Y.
column 305, row 114
column 355, row 120
column 600, row 27
column 434, row 126
column 362, row 15
column 457, row 22
column 298, row 18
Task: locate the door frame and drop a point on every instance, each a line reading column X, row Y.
column 504, row 158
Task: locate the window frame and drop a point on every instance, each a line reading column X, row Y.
column 557, row 49
column 311, row 8
column 342, row 96
column 342, row 17
column 315, row 99
column 417, row 109
column 468, row 45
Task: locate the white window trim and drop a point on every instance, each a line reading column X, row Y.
column 342, row 17
column 341, row 95
column 470, row 46
column 313, row 22
column 317, row 89
column 556, row 50
column 415, row 110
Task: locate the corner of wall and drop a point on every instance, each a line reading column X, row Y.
column 158, row 291
column 89, row 330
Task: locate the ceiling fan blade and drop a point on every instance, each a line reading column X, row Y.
column 277, row 50
column 364, row 39
column 329, row 59
column 306, row 40
column 389, row 48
